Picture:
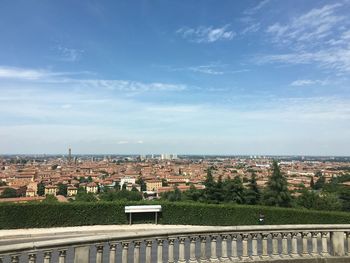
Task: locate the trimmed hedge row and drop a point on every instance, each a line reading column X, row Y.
column 102, row 213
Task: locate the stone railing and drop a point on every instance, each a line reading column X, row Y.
column 283, row 243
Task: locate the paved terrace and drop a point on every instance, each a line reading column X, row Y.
column 168, row 243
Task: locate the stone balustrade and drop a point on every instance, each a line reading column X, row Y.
column 283, row 243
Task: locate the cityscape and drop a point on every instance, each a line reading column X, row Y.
column 32, row 178
column 175, row 131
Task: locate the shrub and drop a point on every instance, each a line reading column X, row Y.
column 102, row 213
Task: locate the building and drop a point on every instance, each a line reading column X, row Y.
column 153, row 185
column 51, row 190
column 127, row 180
column 72, row 191
column 92, row 188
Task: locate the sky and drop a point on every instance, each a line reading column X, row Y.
column 249, row 77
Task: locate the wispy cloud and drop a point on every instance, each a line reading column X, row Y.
column 308, row 28
column 251, row 28
column 318, row 37
column 42, row 76
column 69, row 54
column 308, row 82
column 256, row 8
column 215, row 68
column 204, row 34
column 334, row 58
column 20, row 73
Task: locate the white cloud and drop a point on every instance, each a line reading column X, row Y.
column 256, row 8
column 204, row 34
column 122, row 142
column 309, row 28
column 20, row 73
column 251, row 29
column 308, row 82
column 334, row 58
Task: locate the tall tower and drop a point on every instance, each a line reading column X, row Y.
column 69, row 155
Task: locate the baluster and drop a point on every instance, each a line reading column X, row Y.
column 285, row 253
column 265, row 253
column 81, row 254
column 62, row 253
column 112, row 252
column 137, row 246
column 234, row 256
column 99, row 253
column 255, row 246
column 245, row 246
column 213, row 256
column 182, row 249
column 125, row 250
column 203, row 247
column 348, row 239
column 294, row 237
column 304, row 236
column 1, row 259
column 224, row 256
column 324, row 236
column 314, row 244
column 275, row 237
column 193, row 249
column 31, row 258
column 47, row 256
column 14, row 258
column 149, row 251
column 160, row 250
column 171, row 242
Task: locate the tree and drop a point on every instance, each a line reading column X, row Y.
column 62, row 189
column 9, row 193
column 41, row 189
column 253, row 194
column 312, row 183
column 50, row 199
column 209, row 191
column 234, row 190
column 142, row 183
column 83, row 196
column 277, row 193
column 320, row 183
column 193, row 193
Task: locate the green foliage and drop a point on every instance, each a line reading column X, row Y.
column 253, row 194
column 234, row 190
column 277, row 193
column 142, row 183
column 102, row 213
column 121, row 195
column 172, row 196
column 62, row 189
column 228, row 214
column 317, row 201
column 49, row 199
column 83, row 196
column 41, row 189
column 320, row 183
column 9, row 193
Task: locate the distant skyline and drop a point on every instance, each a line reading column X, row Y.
column 254, row 77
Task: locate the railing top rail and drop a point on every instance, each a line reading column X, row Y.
column 130, row 236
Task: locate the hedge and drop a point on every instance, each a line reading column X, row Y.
column 102, row 213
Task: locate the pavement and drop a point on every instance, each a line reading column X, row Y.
column 16, row 236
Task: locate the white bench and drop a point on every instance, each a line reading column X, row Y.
column 143, row 209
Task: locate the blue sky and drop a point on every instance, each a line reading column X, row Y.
column 200, row 77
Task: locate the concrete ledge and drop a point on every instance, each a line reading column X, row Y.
column 307, row 260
